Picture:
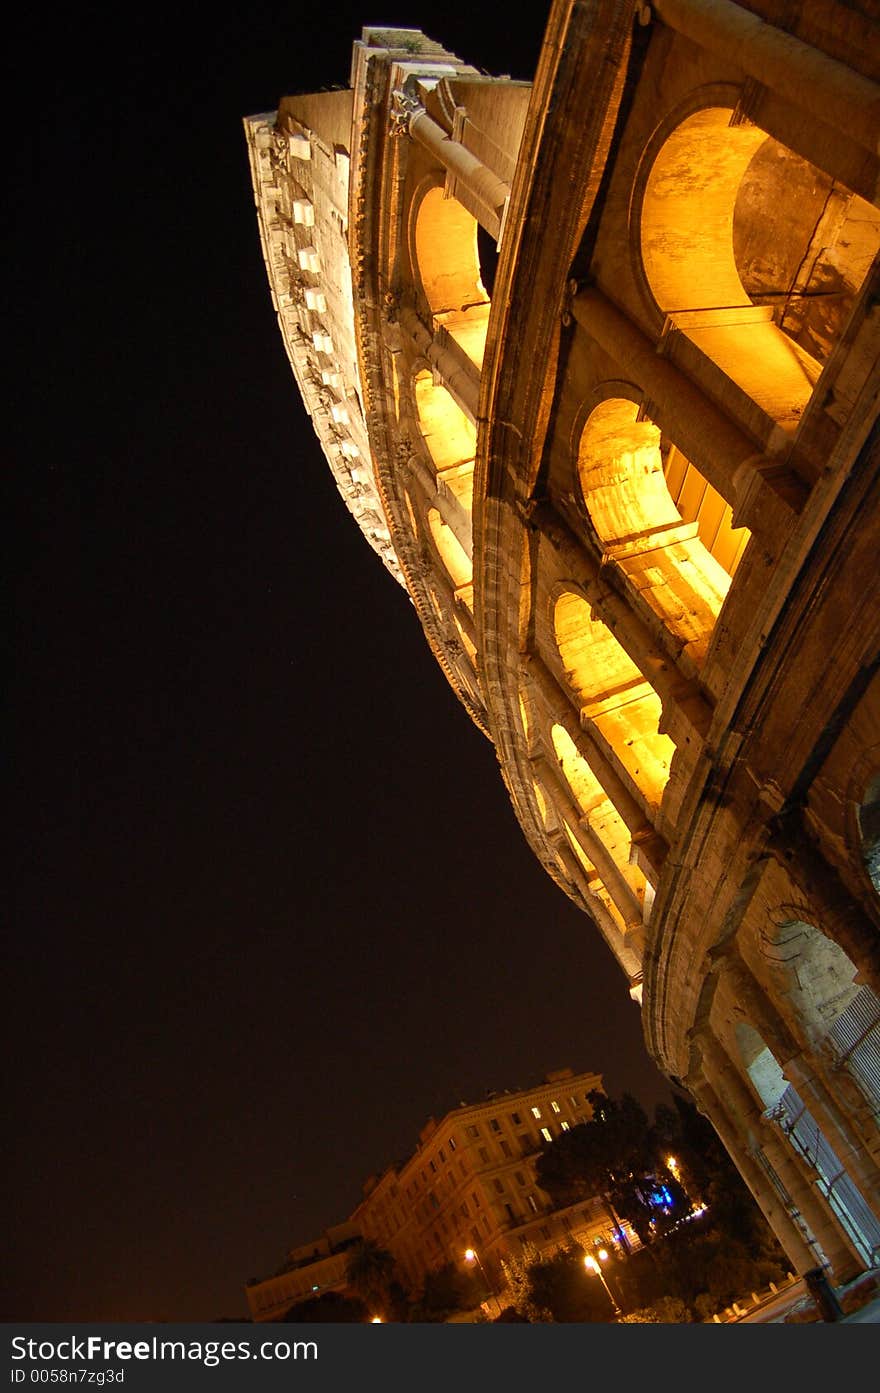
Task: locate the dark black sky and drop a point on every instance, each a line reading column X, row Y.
column 271, row 907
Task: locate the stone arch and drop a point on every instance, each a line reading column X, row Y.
column 784, row 1106
column 736, row 265
column 612, row 694
column 446, row 261
column 656, row 517
column 834, row 1013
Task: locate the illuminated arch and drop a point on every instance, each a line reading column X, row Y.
column 448, row 267
column 678, row 550
column 829, row 1008
column 688, row 254
column 613, row 695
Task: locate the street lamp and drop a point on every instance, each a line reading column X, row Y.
column 471, row 1255
column 592, row 1265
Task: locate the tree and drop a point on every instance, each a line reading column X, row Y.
column 612, row 1157
column 561, row 1286
column 655, row 1177
column 370, row 1272
column 446, row 1289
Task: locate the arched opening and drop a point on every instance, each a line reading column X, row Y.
column 448, row 265
column 838, row 1015
column 784, row 1106
column 663, row 524
column 760, row 279
column 613, row 695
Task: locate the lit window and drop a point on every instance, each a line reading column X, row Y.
column 546, row 1134
column 452, row 1143
column 536, row 1112
column 564, row 1125
column 555, row 1106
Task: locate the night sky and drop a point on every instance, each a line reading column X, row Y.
column 271, row 907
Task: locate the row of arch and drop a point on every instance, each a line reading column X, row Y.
column 731, row 300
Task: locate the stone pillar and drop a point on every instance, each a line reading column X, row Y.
column 788, row 1230
column 452, row 365
column 825, row 89
column 765, row 496
column 612, row 877
column 489, row 192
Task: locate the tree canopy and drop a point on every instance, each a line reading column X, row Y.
column 370, row 1272
column 615, row 1156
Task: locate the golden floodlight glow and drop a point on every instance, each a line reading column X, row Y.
column 689, row 256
